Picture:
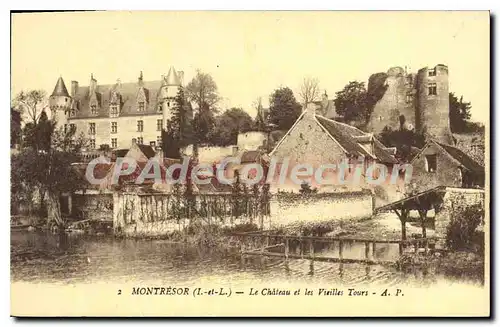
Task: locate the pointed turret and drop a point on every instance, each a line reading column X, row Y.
column 60, row 89
column 60, row 103
column 173, row 78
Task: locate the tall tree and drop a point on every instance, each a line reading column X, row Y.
column 179, row 132
column 260, row 122
column 31, row 103
column 228, row 125
column 351, row 101
column 202, row 90
column 459, row 114
column 309, row 90
column 284, row 108
column 15, row 127
column 203, row 124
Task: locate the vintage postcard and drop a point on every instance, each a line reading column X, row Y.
column 313, row 163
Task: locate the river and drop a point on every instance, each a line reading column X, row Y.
column 86, row 259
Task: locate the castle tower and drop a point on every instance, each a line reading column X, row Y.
column 60, row 103
column 396, row 107
column 433, row 104
column 168, row 92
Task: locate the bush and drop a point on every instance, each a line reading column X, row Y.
column 461, row 230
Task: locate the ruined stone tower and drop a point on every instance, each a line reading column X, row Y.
column 60, row 103
column 417, row 102
column 433, row 103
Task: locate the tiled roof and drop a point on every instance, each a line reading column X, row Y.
column 462, row 158
column 350, row 138
column 148, row 150
column 250, row 156
column 60, row 89
column 344, row 135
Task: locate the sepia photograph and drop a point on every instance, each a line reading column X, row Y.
column 250, row 164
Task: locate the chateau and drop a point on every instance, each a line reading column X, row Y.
column 415, row 101
column 117, row 114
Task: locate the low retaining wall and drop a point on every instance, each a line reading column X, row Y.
column 158, row 214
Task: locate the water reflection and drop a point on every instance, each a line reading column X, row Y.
column 78, row 258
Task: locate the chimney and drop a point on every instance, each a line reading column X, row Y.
column 93, row 84
column 140, row 79
column 74, row 88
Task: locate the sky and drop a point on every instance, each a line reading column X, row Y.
column 250, row 54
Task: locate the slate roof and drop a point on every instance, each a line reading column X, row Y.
column 128, row 93
column 462, row 158
column 60, row 88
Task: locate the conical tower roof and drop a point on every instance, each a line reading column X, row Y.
column 173, row 78
column 60, row 89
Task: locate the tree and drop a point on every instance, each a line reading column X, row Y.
column 179, row 132
column 463, row 224
column 351, row 102
column 202, row 90
column 260, row 122
column 284, row 108
column 405, row 141
column 31, row 103
column 309, row 90
column 459, row 114
column 15, row 127
column 228, row 125
column 203, row 124
column 45, row 164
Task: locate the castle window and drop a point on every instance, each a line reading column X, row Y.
column 160, row 108
column 431, row 163
column 114, row 143
column 65, row 128
column 159, row 124
column 113, row 110
column 140, row 140
column 92, row 128
column 432, row 89
column 114, row 127
column 158, row 140
column 93, row 109
column 140, row 125
column 92, row 143
column 72, row 127
column 409, row 98
column 141, row 106
column 432, row 72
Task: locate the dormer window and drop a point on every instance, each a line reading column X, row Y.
column 432, row 72
column 113, row 110
column 141, row 106
column 93, row 109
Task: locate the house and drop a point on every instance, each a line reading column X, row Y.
column 318, row 141
column 439, row 164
